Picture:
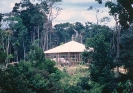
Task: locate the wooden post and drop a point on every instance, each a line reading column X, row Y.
column 79, row 57
column 75, row 61
column 58, row 59
column 69, row 57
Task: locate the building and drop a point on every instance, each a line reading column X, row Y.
column 68, row 53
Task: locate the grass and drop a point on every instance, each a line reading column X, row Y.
column 74, row 74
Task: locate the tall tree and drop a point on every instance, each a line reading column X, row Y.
column 52, row 13
column 122, row 8
column 2, row 53
column 101, row 60
column 123, row 13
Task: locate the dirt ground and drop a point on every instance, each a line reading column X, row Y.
column 72, row 69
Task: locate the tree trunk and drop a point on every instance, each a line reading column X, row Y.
column 17, row 55
column 117, row 48
column 33, row 34
column 118, row 42
column 47, row 39
column 7, row 49
column 42, row 38
column 97, row 19
column 31, row 39
column 38, row 36
column 24, row 51
column 3, row 43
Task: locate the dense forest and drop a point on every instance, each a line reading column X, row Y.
column 29, row 32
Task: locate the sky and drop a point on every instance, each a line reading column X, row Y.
column 73, row 11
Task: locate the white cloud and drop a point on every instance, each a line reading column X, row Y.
column 12, row 5
column 7, row 5
column 74, row 10
column 4, row 3
column 79, row 13
column 75, row 16
column 77, row 1
column 80, row 1
column 67, row 15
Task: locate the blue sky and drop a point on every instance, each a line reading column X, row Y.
column 73, row 11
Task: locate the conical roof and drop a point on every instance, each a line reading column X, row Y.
column 71, row 46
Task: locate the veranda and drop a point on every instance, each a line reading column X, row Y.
column 71, row 58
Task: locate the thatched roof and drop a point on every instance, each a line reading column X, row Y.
column 71, row 46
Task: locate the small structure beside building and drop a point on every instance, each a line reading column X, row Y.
column 66, row 54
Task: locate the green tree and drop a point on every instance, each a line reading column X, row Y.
column 1, row 17
column 123, row 9
column 101, row 63
column 2, row 53
column 123, row 13
column 63, row 32
column 3, row 56
column 36, row 75
column 101, row 58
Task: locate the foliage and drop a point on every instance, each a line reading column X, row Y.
column 122, row 11
column 13, row 79
column 36, row 54
column 125, row 60
column 84, row 83
column 25, row 78
column 121, row 8
column 101, row 61
column 64, row 32
column 125, row 87
column 3, row 56
column 86, row 56
column 1, row 15
column 118, row 9
column 97, row 88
